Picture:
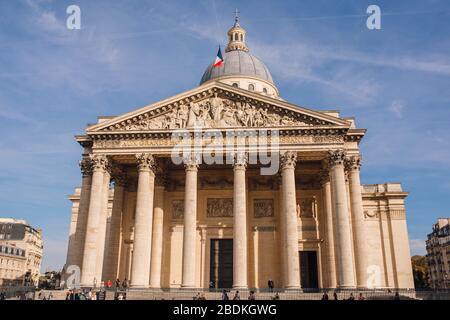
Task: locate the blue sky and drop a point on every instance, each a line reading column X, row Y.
column 53, row 81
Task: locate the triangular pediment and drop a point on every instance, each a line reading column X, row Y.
column 220, row 106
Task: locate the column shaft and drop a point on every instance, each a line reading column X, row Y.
column 328, row 205
column 190, row 225
column 111, row 265
column 88, row 274
column 76, row 240
column 239, row 226
column 140, row 266
column 289, row 219
column 346, row 268
column 102, row 233
column 366, row 255
column 157, row 241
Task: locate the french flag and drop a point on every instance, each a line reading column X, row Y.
column 219, row 59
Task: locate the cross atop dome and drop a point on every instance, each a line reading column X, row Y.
column 236, row 36
column 236, row 17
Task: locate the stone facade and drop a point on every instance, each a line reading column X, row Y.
column 21, row 249
column 308, row 224
column 438, row 254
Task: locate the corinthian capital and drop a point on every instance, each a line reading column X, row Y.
column 324, row 177
column 240, row 160
column 353, row 163
column 146, row 162
column 336, row 157
column 119, row 176
column 86, row 166
column 99, row 162
column 191, row 161
column 288, row 159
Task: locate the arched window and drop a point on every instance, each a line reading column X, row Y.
column 251, row 87
column 265, row 90
column 236, row 37
column 236, row 85
column 242, row 37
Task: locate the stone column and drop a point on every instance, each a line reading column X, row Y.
column 76, row 240
column 365, row 256
column 88, row 274
column 328, row 206
column 240, row 224
column 190, row 223
column 346, row 270
column 102, row 230
column 157, row 240
column 111, row 265
column 289, row 220
column 140, row 266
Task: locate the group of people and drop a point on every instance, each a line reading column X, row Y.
column 237, row 295
column 86, row 295
column 352, row 297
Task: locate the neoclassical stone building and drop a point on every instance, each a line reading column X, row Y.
column 160, row 223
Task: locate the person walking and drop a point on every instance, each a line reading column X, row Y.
column 237, row 296
column 351, row 297
column 117, row 283
column 361, row 297
column 335, row 296
column 270, row 284
column 325, row 296
column 252, row 295
column 225, row 295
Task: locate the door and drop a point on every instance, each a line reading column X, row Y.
column 308, row 269
column 221, row 263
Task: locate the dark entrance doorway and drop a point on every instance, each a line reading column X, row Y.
column 308, row 269
column 221, row 263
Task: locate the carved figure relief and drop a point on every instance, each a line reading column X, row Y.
column 177, row 209
column 263, row 208
column 306, row 208
column 219, row 207
column 215, row 112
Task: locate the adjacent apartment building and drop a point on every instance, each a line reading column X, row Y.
column 21, row 249
column 438, row 254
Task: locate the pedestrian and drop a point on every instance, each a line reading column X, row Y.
column 361, row 297
column 270, row 284
column 276, row 297
column 125, row 283
column 117, row 283
column 237, row 296
column 396, row 296
column 335, row 296
column 225, row 295
column 325, row 296
column 252, row 296
column 351, row 297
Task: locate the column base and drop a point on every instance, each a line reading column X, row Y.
column 139, row 286
column 239, row 287
column 188, row 287
column 293, row 288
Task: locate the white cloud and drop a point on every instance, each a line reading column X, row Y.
column 397, row 107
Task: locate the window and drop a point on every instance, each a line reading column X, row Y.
column 251, row 87
column 265, row 90
column 242, row 37
column 236, row 85
column 236, row 37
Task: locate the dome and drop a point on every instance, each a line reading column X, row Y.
column 238, row 63
column 240, row 68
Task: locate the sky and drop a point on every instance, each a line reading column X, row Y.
column 54, row 81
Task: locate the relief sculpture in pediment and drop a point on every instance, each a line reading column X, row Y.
column 215, row 112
